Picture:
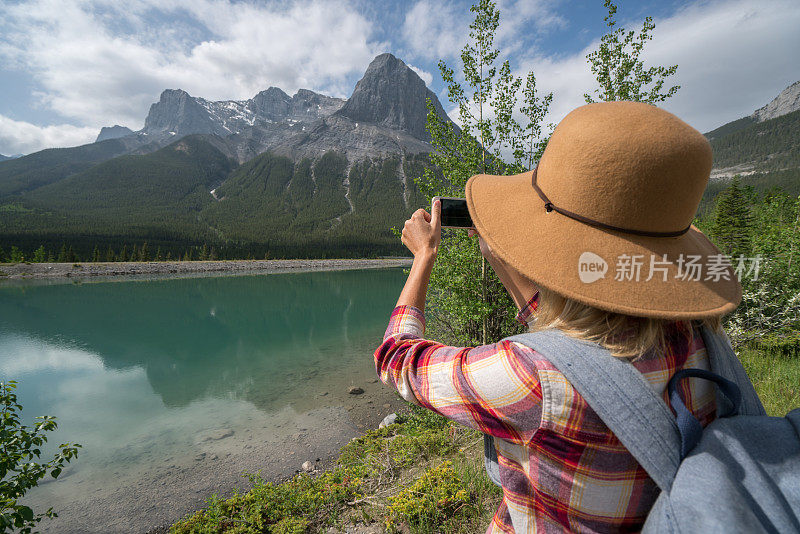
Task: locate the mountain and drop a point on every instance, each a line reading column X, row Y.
column 763, row 148
column 385, row 115
column 113, row 132
column 392, row 95
column 765, row 141
column 26, row 173
column 302, row 175
column 786, row 102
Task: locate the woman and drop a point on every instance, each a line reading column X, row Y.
column 596, row 241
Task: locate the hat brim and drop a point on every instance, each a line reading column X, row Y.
column 546, row 247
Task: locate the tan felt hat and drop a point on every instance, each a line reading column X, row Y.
column 605, row 218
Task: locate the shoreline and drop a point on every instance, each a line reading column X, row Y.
column 82, row 271
column 151, row 499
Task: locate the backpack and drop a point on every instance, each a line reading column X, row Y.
column 739, row 474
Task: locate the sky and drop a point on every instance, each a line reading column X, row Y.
column 70, row 67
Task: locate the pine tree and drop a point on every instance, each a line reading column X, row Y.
column 732, row 221
column 71, row 257
column 2, row 255
column 110, row 256
column 159, row 255
column 50, row 257
column 39, row 255
column 96, row 255
column 144, row 252
column 16, row 255
column 62, row 254
column 204, row 252
column 123, row 254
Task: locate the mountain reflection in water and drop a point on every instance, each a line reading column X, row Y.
column 251, row 338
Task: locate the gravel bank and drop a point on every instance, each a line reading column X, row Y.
column 34, row 271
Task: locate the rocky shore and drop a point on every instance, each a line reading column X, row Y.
column 150, row 498
column 25, row 271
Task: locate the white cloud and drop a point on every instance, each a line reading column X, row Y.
column 20, row 137
column 101, row 62
column 732, row 58
column 426, row 76
column 436, row 30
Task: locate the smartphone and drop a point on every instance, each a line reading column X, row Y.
column 455, row 213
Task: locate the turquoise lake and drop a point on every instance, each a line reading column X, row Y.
column 152, row 377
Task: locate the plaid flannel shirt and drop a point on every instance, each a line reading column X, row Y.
column 561, row 468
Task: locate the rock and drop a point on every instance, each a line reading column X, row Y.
column 200, row 457
column 355, row 390
column 307, row 466
column 388, row 420
column 215, row 435
column 387, row 406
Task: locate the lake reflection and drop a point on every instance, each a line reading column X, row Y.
column 253, row 338
column 141, row 373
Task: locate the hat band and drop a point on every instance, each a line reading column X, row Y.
column 549, row 206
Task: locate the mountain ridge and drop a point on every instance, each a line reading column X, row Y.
column 386, row 114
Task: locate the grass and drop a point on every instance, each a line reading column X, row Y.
column 776, row 378
column 423, row 474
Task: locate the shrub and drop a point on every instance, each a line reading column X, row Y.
column 20, row 469
column 429, row 501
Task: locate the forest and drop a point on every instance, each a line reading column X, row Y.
column 190, row 201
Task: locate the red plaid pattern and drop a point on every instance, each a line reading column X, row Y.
column 562, row 469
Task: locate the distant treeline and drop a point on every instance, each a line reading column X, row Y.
column 80, row 251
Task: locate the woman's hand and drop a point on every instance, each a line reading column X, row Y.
column 423, row 231
column 421, row 234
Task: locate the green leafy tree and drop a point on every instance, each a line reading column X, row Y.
column 468, row 303
column 39, row 255
column 20, row 465
column 620, row 71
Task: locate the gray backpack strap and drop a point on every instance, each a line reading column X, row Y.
column 620, row 395
column 725, row 363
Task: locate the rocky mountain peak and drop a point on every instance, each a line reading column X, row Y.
column 178, row 113
column 272, row 104
column 391, row 94
column 113, row 132
column 786, row 102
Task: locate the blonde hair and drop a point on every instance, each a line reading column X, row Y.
column 625, row 336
